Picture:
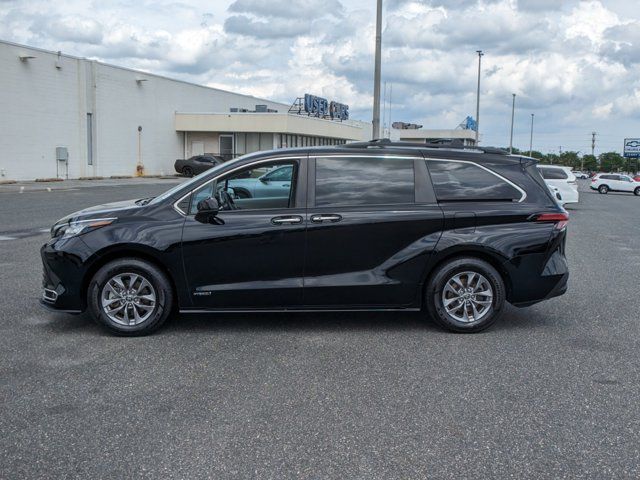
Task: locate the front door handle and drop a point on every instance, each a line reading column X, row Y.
column 332, row 217
column 287, row 220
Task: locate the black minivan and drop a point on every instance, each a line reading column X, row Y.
column 456, row 231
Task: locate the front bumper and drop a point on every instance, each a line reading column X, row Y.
column 63, row 262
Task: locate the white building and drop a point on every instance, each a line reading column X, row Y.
column 422, row 135
column 69, row 117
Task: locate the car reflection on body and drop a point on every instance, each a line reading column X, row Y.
column 267, row 185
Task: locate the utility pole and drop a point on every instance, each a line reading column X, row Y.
column 390, row 99
column 384, row 109
column 480, row 54
column 531, row 138
column 376, row 73
column 513, row 109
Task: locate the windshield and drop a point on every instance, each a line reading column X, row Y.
column 190, row 183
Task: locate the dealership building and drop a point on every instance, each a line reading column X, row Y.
column 69, row 117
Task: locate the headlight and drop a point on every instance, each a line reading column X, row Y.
column 78, row 227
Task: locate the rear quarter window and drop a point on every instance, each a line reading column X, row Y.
column 553, row 173
column 465, row 181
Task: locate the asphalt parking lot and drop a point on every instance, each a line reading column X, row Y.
column 550, row 392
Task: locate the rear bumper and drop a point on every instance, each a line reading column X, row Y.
column 553, row 282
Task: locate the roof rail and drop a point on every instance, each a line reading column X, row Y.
column 444, row 143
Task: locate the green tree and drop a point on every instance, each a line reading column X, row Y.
column 590, row 163
column 569, row 159
column 611, row 162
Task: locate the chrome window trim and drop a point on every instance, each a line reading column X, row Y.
column 257, row 162
column 524, row 194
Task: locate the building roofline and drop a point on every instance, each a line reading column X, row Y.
column 142, row 72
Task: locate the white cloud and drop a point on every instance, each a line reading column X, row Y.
column 575, row 64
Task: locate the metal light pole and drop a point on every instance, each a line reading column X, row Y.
column 531, row 138
column 479, row 52
column 513, row 110
column 376, row 74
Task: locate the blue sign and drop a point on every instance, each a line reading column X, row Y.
column 469, row 124
column 320, row 107
column 632, row 147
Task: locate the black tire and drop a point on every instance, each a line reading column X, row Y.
column 187, row 171
column 436, row 284
column 603, row 189
column 637, row 191
column 159, row 281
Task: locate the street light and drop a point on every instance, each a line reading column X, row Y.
column 531, row 138
column 376, row 72
column 513, row 109
column 480, row 54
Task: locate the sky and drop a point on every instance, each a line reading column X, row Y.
column 574, row 64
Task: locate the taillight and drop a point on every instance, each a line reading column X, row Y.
column 560, row 219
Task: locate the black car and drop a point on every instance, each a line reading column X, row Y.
column 365, row 226
column 197, row 164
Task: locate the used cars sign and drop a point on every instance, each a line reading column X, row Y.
column 320, row 107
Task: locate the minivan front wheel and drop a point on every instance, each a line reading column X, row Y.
column 465, row 295
column 130, row 297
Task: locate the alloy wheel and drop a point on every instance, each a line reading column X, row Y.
column 467, row 297
column 128, row 299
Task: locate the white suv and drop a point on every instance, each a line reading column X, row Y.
column 614, row 182
column 563, row 179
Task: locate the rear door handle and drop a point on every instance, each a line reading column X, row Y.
column 287, row 220
column 332, row 217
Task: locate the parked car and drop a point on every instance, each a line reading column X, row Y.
column 197, row 164
column 614, row 182
column 563, row 179
column 580, row 175
column 636, row 178
column 367, row 226
column 275, row 182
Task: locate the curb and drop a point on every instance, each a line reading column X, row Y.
column 40, row 180
column 90, row 178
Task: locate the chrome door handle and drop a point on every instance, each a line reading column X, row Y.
column 326, row 218
column 287, row 220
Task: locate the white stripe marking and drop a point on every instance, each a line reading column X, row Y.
column 2, row 237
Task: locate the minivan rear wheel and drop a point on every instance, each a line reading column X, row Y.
column 465, row 294
column 130, row 297
column 603, row 189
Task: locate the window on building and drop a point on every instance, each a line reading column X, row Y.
column 463, row 181
column 364, row 181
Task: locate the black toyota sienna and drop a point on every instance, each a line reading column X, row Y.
column 454, row 231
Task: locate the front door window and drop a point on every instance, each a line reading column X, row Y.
column 257, row 187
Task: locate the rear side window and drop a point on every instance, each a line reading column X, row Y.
column 364, row 181
column 553, row 173
column 463, row 181
column 609, row 177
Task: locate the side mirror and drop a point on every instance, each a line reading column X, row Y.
column 208, row 206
